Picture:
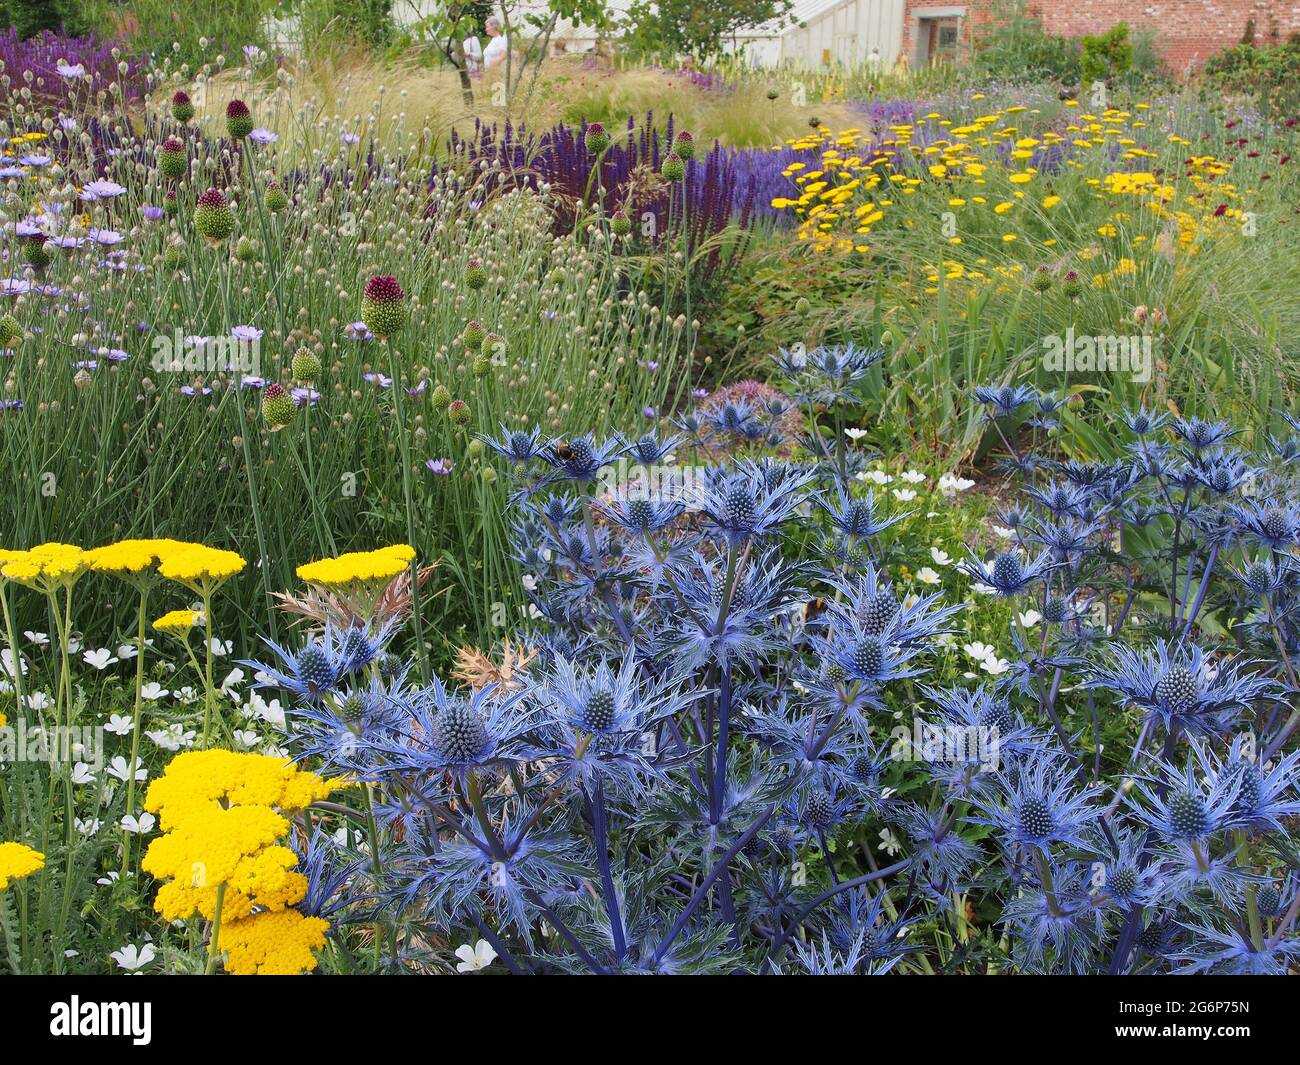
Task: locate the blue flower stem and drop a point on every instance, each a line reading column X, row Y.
column 601, row 826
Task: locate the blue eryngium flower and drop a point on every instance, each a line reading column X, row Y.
column 516, row 444
column 1273, row 524
column 580, row 459
column 858, row 518
column 1007, row 574
column 1174, row 685
column 318, row 668
column 1003, row 401
column 447, row 731
column 1040, row 804
column 754, row 500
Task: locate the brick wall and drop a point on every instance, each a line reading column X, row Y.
column 1188, row 31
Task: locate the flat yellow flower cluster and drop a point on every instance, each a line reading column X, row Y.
column 223, row 815
column 133, row 556
column 200, row 563
column 356, row 567
column 17, row 860
column 179, row 620
column 272, row 943
column 45, row 566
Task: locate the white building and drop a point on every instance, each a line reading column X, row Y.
column 822, row 33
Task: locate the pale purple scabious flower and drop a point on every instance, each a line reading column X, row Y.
column 101, row 189
column 73, row 70
column 263, row 136
column 34, row 160
column 106, row 237
column 304, row 395
column 246, row 332
column 439, row 467
column 357, row 331
column 152, row 213
column 349, row 138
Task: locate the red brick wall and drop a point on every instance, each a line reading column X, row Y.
column 1188, row 31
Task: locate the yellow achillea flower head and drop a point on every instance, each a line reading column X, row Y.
column 272, row 943
column 179, row 620
column 46, row 566
column 133, row 556
column 201, row 564
column 358, row 566
column 195, row 779
column 18, row 860
column 265, row 879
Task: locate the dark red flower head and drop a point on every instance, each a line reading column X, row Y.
column 212, row 198
column 180, row 97
column 383, row 288
column 172, row 144
column 237, row 109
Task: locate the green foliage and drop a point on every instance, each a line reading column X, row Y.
column 1107, row 55
column 1270, row 75
column 30, row 17
column 667, row 28
column 1014, row 43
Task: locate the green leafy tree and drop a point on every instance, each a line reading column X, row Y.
column 1107, row 55
column 666, row 28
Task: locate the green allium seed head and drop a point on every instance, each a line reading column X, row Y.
column 674, row 168
column 245, row 250
column 596, row 138
column 620, row 224
column 278, row 407
column 276, row 198
column 383, row 305
column 482, row 365
column 182, row 108
column 475, row 275
column 458, row 412
column 173, row 163
column 213, row 218
column 174, row 257
column 239, row 120
column 305, row 366
column 473, row 336
column 684, row 145
column 11, row 333
column 440, row 397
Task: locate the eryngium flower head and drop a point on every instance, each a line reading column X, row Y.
column 383, row 305
column 1004, row 401
column 754, row 499
column 1044, row 804
column 239, row 120
column 1175, row 685
column 182, row 107
column 172, row 160
column 278, row 407
column 213, row 218
column 1006, row 574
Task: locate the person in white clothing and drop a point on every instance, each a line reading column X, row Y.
column 473, row 55
column 498, row 47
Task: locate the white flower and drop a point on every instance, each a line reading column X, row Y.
column 74, row 645
column 1030, row 618
column 995, row 665
column 1003, row 531
column 889, row 842
column 950, row 484
column 855, row 434
column 877, row 477
column 926, row 575
column 979, row 651
column 221, row 649
column 133, row 958
column 234, row 678
column 904, row 495
column 7, row 662
column 479, row 956
column 153, row 691
column 39, row 638
column 118, row 725
column 246, row 737
column 39, row 701
column 118, row 768
column 81, row 774
column 941, row 558
column 100, row 659
column 139, row 825
column 914, row 477
column 979, row 588
column 126, row 651
column 87, row 828
column 172, row 738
